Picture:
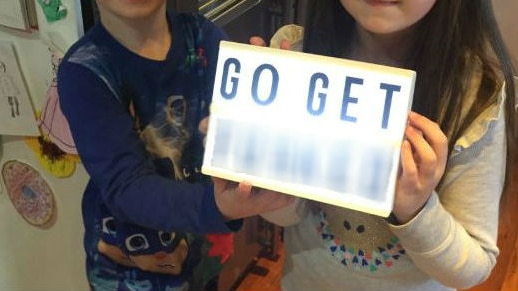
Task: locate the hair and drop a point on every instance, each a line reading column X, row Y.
column 453, row 38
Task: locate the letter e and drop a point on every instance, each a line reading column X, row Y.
column 349, row 81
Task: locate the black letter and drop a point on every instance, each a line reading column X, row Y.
column 349, row 81
column 233, row 80
column 275, row 84
column 322, row 96
column 388, row 102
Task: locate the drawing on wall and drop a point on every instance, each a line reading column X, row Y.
column 53, row 10
column 51, row 158
column 1, row 152
column 30, row 194
column 54, row 148
column 18, row 14
column 16, row 111
column 52, row 122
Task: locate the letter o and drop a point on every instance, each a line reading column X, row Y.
column 273, row 89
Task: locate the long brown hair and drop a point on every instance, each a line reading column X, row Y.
column 451, row 38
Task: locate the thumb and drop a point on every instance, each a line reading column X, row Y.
column 244, row 190
column 203, row 125
column 219, row 184
column 256, row 40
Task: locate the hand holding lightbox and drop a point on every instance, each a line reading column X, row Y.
column 316, row 127
column 240, row 200
column 423, row 161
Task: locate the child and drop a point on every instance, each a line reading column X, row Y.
column 134, row 90
column 442, row 234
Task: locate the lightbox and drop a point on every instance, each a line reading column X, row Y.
column 321, row 128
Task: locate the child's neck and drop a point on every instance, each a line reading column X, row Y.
column 150, row 37
column 389, row 50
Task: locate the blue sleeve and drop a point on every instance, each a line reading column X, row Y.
column 120, row 167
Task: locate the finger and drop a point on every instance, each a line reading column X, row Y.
column 281, row 201
column 268, row 200
column 258, row 41
column 432, row 133
column 219, row 184
column 285, row 44
column 273, row 196
column 408, row 164
column 425, row 156
column 204, row 125
column 244, row 190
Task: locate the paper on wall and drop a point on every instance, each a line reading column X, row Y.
column 16, row 112
column 17, row 14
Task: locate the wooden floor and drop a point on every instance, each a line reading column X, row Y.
column 257, row 280
column 266, row 274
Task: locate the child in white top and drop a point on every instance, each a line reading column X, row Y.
column 442, row 234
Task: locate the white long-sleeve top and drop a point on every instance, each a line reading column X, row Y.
column 451, row 244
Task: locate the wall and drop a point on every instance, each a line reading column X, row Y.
column 505, row 11
column 33, row 258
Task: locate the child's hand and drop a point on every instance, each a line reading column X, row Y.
column 423, row 159
column 241, row 200
column 114, row 253
column 288, row 37
column 203, row 127
column 258, row 41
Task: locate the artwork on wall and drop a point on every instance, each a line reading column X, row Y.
column 16, row 112
column 29, row 193
column 53, row 10
column 51, row 121
column 18, row 14
column 54, row 148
